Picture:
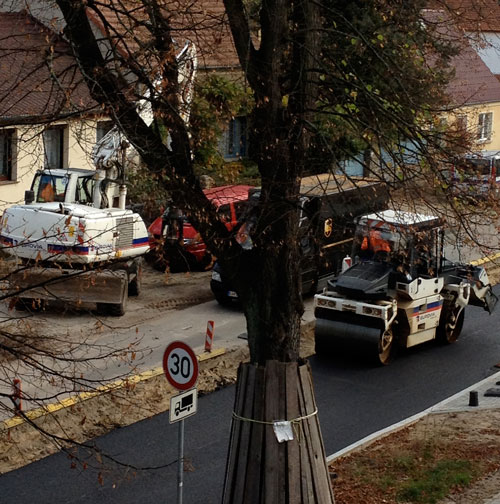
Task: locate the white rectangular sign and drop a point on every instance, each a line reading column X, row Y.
column 183, row 405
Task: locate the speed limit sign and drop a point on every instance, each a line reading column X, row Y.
column 180, row 365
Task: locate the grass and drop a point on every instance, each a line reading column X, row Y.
column 416, row 474
column 436, row 481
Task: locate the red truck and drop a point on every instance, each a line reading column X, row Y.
column 174, row 242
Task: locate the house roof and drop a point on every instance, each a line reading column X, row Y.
column 39, row 74
column 203, row 22
column 474, row 15
column 31, row 88
column 473, row 82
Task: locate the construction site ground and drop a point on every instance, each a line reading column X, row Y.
column 134, row 400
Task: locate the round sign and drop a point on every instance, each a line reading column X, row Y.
column 180, row 365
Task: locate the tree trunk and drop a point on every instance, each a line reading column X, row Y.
column 260, row 469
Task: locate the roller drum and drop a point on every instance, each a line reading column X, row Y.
column 335, row 329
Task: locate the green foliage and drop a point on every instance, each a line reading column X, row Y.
column 146, row 190
column 378, row 87
column 217, row 100
column 237, row 172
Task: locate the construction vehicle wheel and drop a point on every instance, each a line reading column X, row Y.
column 449, row 329
column 135, row 285
column 385, row 347
column 114, row 309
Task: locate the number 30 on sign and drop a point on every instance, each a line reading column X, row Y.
column 180, row 365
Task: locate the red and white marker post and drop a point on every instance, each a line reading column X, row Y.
column 17, row 395
column 210, row 336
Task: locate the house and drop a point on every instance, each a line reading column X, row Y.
column 475, row 90
column 47, row 118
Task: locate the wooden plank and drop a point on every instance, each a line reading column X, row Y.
column 321, row 478
column 282, row 473
column 255, row 474
column 315, row 426
column 245, row 440
column 308, row 408
column 234, row 436
column 293, row 452
column 271, row 479
column 307, row 491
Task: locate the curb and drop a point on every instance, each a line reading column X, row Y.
column 366, row 441
column 104, row 389
column 484, row 260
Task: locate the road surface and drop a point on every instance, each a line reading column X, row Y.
column 354, row 400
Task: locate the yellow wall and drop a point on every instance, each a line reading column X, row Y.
column 28, row 156
column 472, row 113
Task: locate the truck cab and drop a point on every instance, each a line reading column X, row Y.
column 326, row 209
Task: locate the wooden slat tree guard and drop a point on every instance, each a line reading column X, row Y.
column 259, row 468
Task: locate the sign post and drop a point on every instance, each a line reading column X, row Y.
column 180, row 366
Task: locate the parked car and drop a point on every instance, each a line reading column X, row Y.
column 174, row 242
column 476, row 176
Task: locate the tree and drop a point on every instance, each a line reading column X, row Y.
column 329, row 80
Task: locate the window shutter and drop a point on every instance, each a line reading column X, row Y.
column 488, row 126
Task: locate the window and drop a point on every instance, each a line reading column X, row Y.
column 49, row 188
column 102, row 128
column 6, row 148
column 234, row 140
column 461, row 123
column 85, row 190
column 484, row 126
column 54, row 146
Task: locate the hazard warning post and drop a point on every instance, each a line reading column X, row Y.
column 210, row 336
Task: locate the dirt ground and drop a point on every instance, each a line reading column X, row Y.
column 160, row 292
column 362, row 477
column 478, row 432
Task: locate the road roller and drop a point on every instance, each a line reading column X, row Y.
column 397, row 289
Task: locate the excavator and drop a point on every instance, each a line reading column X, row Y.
column 74, row 238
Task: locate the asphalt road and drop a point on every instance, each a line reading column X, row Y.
column 354, row 400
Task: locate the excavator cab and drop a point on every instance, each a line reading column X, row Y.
column 63, row 186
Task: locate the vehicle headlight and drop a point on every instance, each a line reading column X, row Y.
column 216, row 276
column 321, row 301
column 368, row 310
